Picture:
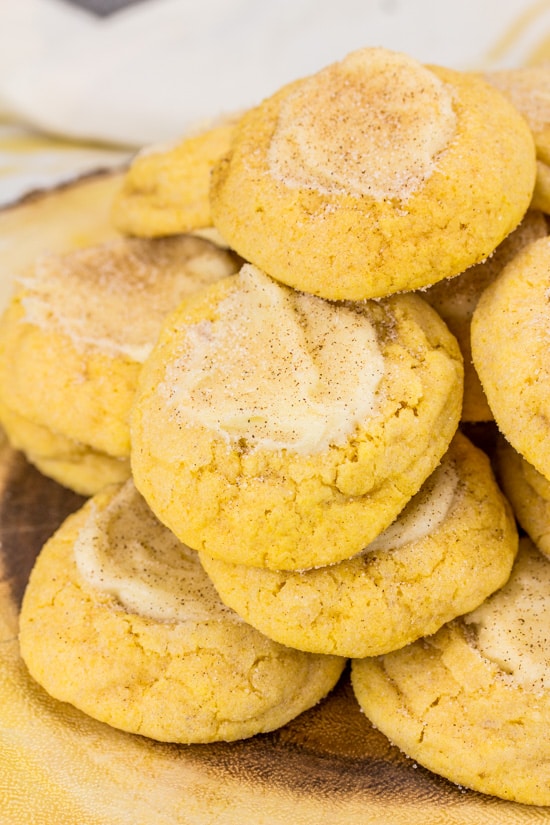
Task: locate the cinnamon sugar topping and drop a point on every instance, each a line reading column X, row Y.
column 373, row 124
column 278, row 369
column 114, row 297
column 512, row 625
column 123, row 551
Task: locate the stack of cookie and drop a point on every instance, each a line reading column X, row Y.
column 72, row 342
column 302, row 490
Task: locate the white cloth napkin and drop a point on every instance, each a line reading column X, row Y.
column 151, row 71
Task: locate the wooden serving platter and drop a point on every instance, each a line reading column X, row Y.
column 59, row 767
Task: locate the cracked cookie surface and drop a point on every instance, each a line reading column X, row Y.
column 451, row 547
column 456, row 299
column 326, row 175
column 528, row 89
column 472, row 702
column 509, row 336
column 71, row 463
column 251, row 441
column 152, row 653
column 165, row 191
column 527, row 491
column 78, row 328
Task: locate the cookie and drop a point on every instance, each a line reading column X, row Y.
column 77, row 330
column 509, row 336
column 276, row 429
column 472, row 702
column 375, row 175
column 165, row 191
column 149, row 647
column 70, row 463
column 456, row 298
column 528, row 492
column 451, row 547
column 528, row 88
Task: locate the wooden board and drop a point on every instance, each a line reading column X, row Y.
column 59, row 767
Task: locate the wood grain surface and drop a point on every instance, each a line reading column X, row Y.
column 59, row 767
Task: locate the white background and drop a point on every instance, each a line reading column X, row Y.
column 152, row 70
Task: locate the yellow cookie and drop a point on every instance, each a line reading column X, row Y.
column 456, row 298
column 528, row 88
column 472, row 702
column 80, row 325
column 528, row 492
column 509, row 335
column 120, row 620
column 452, row 545
column 166, row 189
column 375, row 175
column 277, row 429
column 70, row 463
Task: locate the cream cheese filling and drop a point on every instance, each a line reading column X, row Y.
column 277, row 368
column 425, row 512
column 126, row 553
column 513, row 625
column 114, row 297
column 373, row 124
